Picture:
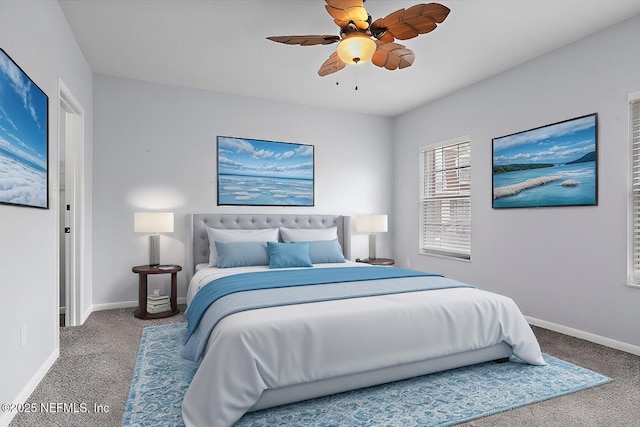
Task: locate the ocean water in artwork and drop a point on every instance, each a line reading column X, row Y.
column 264, row 190
column 571, row 184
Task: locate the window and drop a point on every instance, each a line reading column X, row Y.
column 634, row 211
column 445, row 199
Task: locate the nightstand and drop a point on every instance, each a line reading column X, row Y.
column 143, row 271
column 377, row 261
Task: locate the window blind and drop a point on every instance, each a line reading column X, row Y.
column 635, row 190
column 445, row 193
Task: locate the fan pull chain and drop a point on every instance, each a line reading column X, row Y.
column 356, row 77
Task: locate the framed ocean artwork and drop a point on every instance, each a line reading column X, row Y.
column 255, row 172
column 24, row 134
column 553, row 165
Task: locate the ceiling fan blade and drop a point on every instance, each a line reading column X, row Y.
column 305, row 40
column 408, row 23
column 345, row 11
column 331, row 65
column 392, row 56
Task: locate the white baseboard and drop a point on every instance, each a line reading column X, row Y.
column 587, row 336
column 86, row 315
column 6, row 417
column 113, row 305
column 123, row 304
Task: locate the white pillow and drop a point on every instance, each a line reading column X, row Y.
column 308, row 234
column 228, row 236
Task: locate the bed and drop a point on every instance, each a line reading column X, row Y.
column 301, row 331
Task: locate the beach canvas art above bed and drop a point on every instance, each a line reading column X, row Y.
column 254, row 172
column 24, row 177
column 553, row 165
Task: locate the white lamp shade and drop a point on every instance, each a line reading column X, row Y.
column 372, row 224
column 153, row 222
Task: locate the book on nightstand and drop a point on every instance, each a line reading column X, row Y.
column 158, row 308
column 158, row 303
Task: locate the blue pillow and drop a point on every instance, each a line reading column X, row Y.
column 241, row 254
column 283, row 255
column 325, row 251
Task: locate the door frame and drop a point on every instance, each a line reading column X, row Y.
column 71, row 143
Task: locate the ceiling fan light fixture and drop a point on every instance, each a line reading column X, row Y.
column 356, row 48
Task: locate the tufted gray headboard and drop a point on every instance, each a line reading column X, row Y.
column 198, row 246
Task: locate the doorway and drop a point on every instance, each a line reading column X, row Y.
column 70, row 182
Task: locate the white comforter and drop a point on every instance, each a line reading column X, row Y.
column 252, row 351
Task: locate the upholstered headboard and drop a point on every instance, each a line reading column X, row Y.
column 198, row 246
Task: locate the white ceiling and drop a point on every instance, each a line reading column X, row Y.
column 220, row 45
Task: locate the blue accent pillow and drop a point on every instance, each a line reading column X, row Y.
column 241, row 254
column 325, row 251
column 284, row 255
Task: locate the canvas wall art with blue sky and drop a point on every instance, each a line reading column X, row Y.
column 554, row 165
column 23, row 138
column 264, row 173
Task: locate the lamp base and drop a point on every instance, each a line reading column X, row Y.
column 154, row 250
column 372, row 246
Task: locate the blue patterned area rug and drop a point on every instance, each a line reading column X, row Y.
column 161, row 378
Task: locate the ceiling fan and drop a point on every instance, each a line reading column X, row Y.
column 355, row 44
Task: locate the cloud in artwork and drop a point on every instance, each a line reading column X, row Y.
column 21, row 184
column 264, row 158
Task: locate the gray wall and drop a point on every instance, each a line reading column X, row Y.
column 155, row 149
column 36, row 35
column 562, row 265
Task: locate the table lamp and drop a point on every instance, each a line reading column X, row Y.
column 372, row 224
column 154, row 223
